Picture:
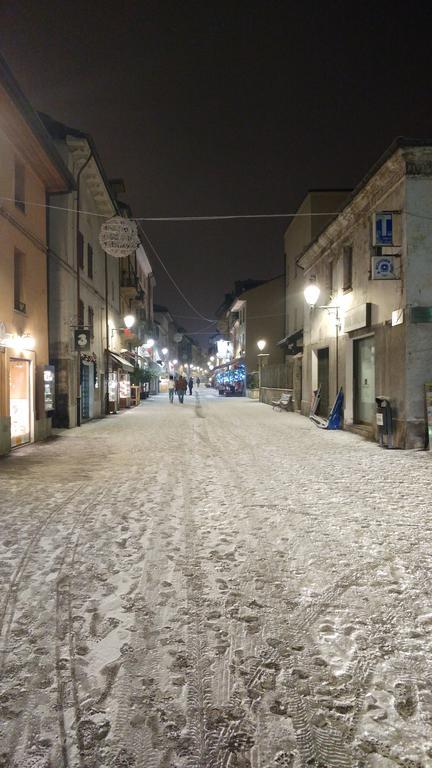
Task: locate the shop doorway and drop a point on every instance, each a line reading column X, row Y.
column 85, row 392
column 20, row 401
column 323, row 381
column 364, row 381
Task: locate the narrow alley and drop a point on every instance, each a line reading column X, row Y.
column 214, row 584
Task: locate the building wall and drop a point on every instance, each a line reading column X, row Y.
column 403, row 352
column 418, row 269
column 384, row 296
column 24, row 231
column 302, row 231
column 264, row 319
column 63, row 311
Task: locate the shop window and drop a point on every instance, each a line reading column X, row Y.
column 19, row 186
column 80, row 314
column 91, row 321
column 80, row 247
column 347, row 260
column 19, row 266
column 90, row 261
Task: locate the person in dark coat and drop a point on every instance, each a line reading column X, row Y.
column 181, row 387
column 190, row 384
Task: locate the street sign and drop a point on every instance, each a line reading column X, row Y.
column 421, row 314
column 385, row 267
column 82, row 340
column 383, row 229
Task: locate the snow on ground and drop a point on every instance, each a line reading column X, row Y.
column 212, row 585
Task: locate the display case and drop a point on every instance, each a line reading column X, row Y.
column 124, row 390
column 49, row 388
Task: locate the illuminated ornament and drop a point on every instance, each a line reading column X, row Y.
column 119, row 237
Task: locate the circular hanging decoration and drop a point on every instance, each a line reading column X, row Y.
column 178, row 338
column 119, row 236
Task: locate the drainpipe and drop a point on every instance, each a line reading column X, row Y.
column 107, row 339
column 78, row 375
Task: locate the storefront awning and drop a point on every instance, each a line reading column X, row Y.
column 121, row 362
column 291, row 341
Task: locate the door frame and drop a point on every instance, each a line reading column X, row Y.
column 354, row 381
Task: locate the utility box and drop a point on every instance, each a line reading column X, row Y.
column 384, row 420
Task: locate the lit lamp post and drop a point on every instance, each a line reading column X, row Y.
column 261, row 344
column 165, row 354
column 129, row 321
column 311, row 294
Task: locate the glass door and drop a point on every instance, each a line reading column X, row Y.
column 20, row 405
column 364, row 380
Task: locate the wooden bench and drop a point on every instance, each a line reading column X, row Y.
column 285, row 402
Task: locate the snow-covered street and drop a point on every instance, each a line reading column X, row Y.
column 210, row 585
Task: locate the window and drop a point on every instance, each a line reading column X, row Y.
column 347, row 257
column 19, row 260
column 90, row 261
column 19, row 186
column 91, row 321
column 81, row 314
column 80, row 246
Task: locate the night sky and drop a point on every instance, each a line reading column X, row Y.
column 221, row 108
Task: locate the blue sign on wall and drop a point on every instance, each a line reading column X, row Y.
column 383, row 229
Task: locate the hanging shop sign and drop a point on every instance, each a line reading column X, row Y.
column 357, row 317
column 49, row 387
column 82, row 340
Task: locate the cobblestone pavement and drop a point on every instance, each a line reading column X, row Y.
column 212, row 585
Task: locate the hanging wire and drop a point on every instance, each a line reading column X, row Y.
column 218, row 217
column 175, row 284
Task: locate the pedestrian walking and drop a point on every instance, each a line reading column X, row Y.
column 198, row 381
column 190, row 384
column 181, row 387
column 171, row 388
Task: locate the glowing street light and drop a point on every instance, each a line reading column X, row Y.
column 311, row 292
column 129, row 321
column 261, row 344
column 149, row 343
column 164, row 350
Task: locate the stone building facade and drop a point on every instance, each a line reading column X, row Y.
column 371, row 330
column 30, row 168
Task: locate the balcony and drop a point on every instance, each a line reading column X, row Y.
column 128, row 285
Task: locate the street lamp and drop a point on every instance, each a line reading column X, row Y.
column 164, row 350
column 129, row 321
column 149, row 343
column 311, row 294
column 261, row 344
